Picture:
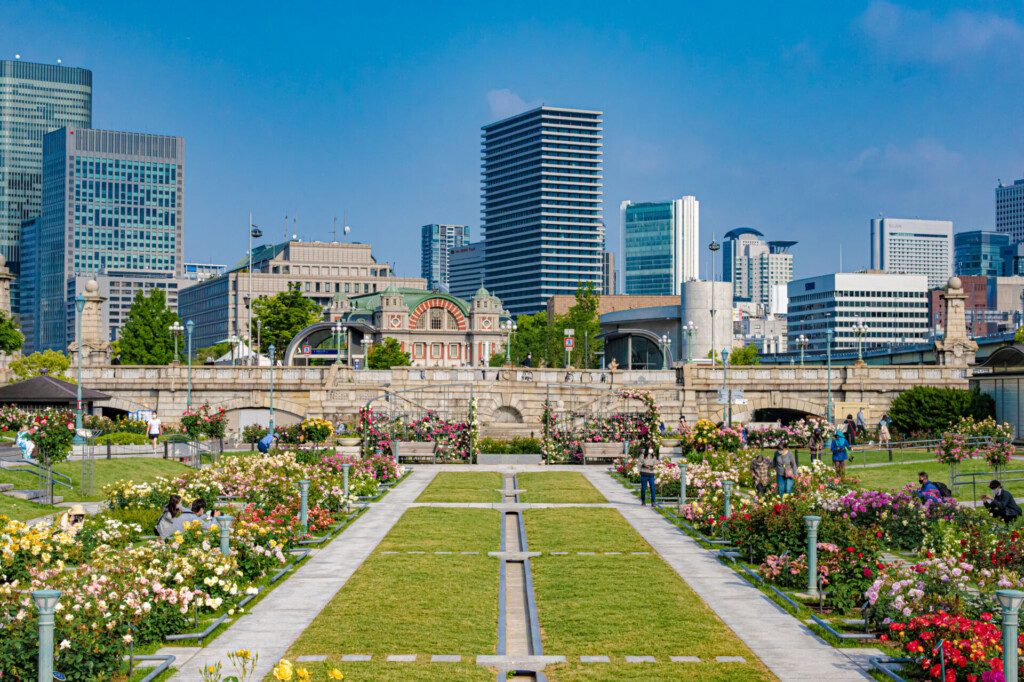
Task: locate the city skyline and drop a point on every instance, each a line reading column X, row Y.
column 768, row 159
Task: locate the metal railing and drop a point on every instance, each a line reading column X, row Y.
column 924, row 446
column 970, row 478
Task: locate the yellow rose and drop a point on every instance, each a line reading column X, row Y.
column 303, row 675
column 335, row 674
column 283, row 670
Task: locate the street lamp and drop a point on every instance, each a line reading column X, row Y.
column 688, row 331
column 1009, row 602
column 79, row 307
column 189, row 326
column 46, row 605
column 802, row 341
column 270, row 351
column 510, row 328
column 254, row 233
column 176, row 329
column 666, row 344
column 829, row 333
column 713, row 247
column 336, row 329
column 233, row 340
column 859, row 329
column 725, row 386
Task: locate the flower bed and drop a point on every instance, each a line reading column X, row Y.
column 456, row 441
column 563, row 442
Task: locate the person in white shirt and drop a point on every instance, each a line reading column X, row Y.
column 154, row 428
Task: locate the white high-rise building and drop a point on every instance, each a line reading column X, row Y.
column 1010, row 210
column 660, row 245
column 913, row 247
column 754, row 265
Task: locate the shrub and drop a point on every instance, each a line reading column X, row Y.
column 253, row 433
column 932, row 410
column 122, row 438
column 146, row 518
column 515, row 446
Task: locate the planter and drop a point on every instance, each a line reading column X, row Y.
column 669, row 442
column 349, row 442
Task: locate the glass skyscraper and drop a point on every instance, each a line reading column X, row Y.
column 113, row 204
column 436, row 244
column 542, row 205
column 980, row 252
column 659, row 245
column 34, row 99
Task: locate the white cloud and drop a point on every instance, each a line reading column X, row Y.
column 925, row 157
column 505, row 103
column 919, row 36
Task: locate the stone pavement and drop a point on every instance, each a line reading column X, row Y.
column 788, row 647
column 274, row 623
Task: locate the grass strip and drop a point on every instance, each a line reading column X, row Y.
column 656, row 672
column 105, row 472
column 381, row 671
column 898, row 475
column 432, row 529
column 558, row 486
column 23, row 510
column 586, row 529
column 459, row 486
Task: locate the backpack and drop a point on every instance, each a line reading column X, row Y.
column 943, row 489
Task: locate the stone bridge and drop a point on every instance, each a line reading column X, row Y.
column 509, row 400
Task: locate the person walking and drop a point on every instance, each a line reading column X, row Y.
column 862, row 423
column 815, row 444
column 761, row 472
column 24, row 441
column 648, row 469
column 785, row 469
column 840, row 453
column 154, row 428
column 851, row 429
column 1001, row 505
column 172, row 510
column 884, row 437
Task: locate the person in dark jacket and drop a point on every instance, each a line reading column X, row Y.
column 840, row 453
column 1001, row 505
column 851, row 430
column 648, row 476
column 785, row 469
column 928, row 490
column 815, row 444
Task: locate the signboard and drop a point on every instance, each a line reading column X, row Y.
column 569, row 332
column 306, row 350
column 569, row 343
column 724, row 394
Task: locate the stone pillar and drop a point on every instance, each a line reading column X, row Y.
column 5, row 286
column 95, row 347
column 956, row 347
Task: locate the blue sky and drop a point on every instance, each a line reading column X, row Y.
column 803, row 119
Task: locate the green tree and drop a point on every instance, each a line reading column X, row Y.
column 496, row 360
column 213, row 352
column 284, row 315
column 745, row 355
column 11, row 338
column 50, row 362
column 930, row 410
column 532, row 337
column 1019, row 336
column 146, row 336
column 583, row 319
column 387, row 355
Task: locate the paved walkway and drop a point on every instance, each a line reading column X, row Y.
column 789, row 648
column 274, row 623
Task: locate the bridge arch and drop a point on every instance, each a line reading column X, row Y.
column 244, row 411
column 119, row 405
column 766, row 402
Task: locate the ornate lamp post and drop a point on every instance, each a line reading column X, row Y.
column 189, row 326
column 46, row 605
column 666, row 344
column 224, row 525
column 713, row 247
column 79, row 307
column 510, row 328
column 802, row 341
column 859, row 329
column 337, row 329
column 689, row 329
column 233, row 340
column 1010, row 601
column 812, row 554
column 176, row 330
column 270, row 350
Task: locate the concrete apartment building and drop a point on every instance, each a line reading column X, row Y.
column 324, row 272
column 913, row 247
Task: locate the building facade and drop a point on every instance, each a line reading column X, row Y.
column 660, row 247
column 466, row 270
column 609, row 283
column 542, row 179
column 913, row 247
column 436, row 244
column 755, row 266
column 112, row 202
column 219, row 307
column 34, row 100
column 1010, row 210
column 197, row 272
column 980, row 252
column 435, row 328
column 975, row 306
column 894, row 309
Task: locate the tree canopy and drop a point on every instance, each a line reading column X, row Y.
column 284, row 315
column 146, row 336
column 543, row 338
column 11, row 338
column 54, row 363
column 387, row 355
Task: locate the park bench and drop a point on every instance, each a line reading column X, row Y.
column 603, row 452
column 414, row 451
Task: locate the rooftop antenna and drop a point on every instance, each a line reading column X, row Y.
column 334, row 232
column 295, row 226
column 286, row 227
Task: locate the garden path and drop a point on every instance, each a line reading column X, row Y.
column 274, row 623
column 787, row 646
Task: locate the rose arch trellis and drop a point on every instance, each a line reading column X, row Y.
column 445, row 414
column 598, row 416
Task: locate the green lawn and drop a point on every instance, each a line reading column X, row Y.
column 416, row 603
column 421, row 671
column 624, row 605
column 106, row 471
column 22, row 510
column 458, row 486
column 557, row 486
column 585, row 529
column 898, row 475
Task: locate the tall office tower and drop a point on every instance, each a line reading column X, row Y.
column 659, row 245
column 913, row 247
column 34, row 99
column 755, row 266
column 436, row 244
column 542, row 205
column 466, row 270
column 113, row 205
column 1010, row 210
column 980, row 252
column 608, row 284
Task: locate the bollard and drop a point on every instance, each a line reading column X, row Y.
column 727, row 487
column 1010, row 601
column 304, row 504
column 46, row 605
column 344, row 471
column 812, row 553
column 682, row 486
column 225, row 522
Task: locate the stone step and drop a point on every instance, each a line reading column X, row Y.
column 4, row 487
column 32, row 495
